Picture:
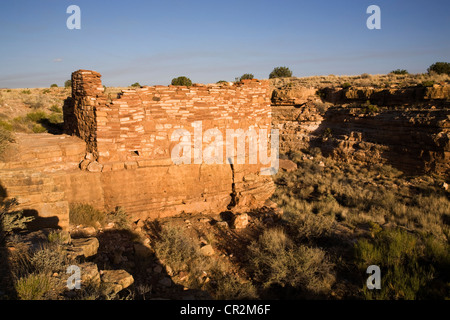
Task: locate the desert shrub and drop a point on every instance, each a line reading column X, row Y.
column 181, row 81
column 48, row 259
column 12, row 219
column 5, row 137
column 408, row 264
column 38, row 128
column 68, row 83
column 36, row 116
column 136, row 85
column 45, row 91
column 322, row 107
column 221, row 82
column 54, row 108
column 19, row 258
column 55, row 118
column 36, row 102
column 120, row 218
column 309, row 226
column 58, row 237
column 370, row 109
column 176, row 249
column 246, row 76
column 327, row 133
column 33, row 287
column 275, row 260
column 439, row 68
column 85, row 214
column 26, row 91
column 346, row 85
column 428, row 83
column 399, row 71
column 226, row 286
column 365, row 76
column 5, row 125
column 280, row 72
column 54, row 85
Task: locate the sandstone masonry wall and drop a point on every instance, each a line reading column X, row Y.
column 137, row 124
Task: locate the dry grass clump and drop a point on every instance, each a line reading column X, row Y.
column 86, row 215
column 276, row 260
column 34, row 286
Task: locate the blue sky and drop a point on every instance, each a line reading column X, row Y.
column 151, row 42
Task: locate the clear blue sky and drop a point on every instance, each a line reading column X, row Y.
column 152, row 42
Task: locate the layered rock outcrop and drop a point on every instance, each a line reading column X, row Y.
column 408, row 128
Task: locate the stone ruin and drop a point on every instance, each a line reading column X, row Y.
column 116, row 151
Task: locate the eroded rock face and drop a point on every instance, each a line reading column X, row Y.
column 408, row 128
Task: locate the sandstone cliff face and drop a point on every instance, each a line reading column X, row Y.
column 408, row 128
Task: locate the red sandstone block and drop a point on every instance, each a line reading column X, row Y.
column 115, row 166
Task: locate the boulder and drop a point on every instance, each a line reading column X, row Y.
column 207, row 250
column 89, row 273
column 240, row 221
column 287, row 165
column 86, row 247
column 116, row 280
column 94, row 167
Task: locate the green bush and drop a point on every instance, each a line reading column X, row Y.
column 54, row 85
column 181, row 81
column 428, row 83
column 411, row 267
column 38, row 128
column 54, row 108
column 280, row 72
column 371, row 109
column 5, row 125
column 246, row 76
column 346, row 85
column 26, row 91
column 221, row 82
column 36, row 116
column 136, row 85
column 440, row 67
column 68, row 83
column 399, row 71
